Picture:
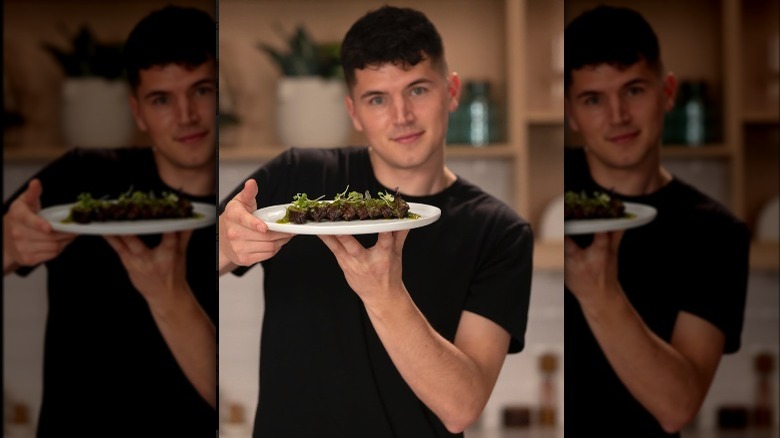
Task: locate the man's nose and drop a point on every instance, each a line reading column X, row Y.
column 618, row 111
column 403, row 111
column 186, row 111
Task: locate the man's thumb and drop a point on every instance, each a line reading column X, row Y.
column 32, row 196
column 248, row 195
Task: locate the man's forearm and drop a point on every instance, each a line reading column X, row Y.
column 192, row 338
column 442, row 376
column 663, row 380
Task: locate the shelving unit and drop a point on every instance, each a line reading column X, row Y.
column 506, row 42
column 727, row 44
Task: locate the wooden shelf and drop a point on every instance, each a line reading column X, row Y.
column 765, row 256
column 548, row 255
column 32, row 153
column 550, row 117
column 702, row 151
column 490, row 151
column 263, row 152
column 758, row 117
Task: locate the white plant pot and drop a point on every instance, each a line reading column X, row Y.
column 96, row 113
column 311, row 112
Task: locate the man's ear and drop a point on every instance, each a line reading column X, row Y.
column 351, row 111
column 670, row 91
column 567, row 110
column 454, row 89
column 139, row 121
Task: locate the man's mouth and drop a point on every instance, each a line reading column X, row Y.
column 623, row 138
column 408, row 138
column 192, row 138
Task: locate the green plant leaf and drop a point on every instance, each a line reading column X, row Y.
column 304, row 57
column 87, row 56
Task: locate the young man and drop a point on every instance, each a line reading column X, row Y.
column 649, row 311
column 130, row 347
column 400, row 334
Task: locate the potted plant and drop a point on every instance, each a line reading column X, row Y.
column 95, row 110
column 310, row 93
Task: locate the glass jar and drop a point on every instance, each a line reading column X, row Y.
column 475, row 122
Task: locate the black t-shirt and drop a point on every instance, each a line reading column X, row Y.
column 107, row 368
column 693, row 257
column 323, row 369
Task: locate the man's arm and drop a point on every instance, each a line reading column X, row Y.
column 159, row 274
column 454, row 380
column 28, row 239
column 670, row 380
column 244, row 239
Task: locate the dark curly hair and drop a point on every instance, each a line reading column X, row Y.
column 401, row 36
column 171, row 35
column 609, row 35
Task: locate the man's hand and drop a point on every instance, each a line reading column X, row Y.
column 592, row 272
column 244, row 239
column 158, row 273
column 28, row 239
column 371, row 272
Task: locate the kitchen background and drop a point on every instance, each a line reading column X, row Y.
column 513, row 46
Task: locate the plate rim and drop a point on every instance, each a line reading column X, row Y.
column 154, row 226
column 590, row 226
column 356, row 227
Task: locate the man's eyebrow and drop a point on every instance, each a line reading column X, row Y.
column 372, row 93
column 155, row 93
column 586, row 93
column 590, row 93
column 200, row 83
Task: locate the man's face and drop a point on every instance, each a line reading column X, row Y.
column 620, row 112
column 176, row 107
column 403, row 112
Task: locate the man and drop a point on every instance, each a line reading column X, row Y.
column 130, row 344
column 400, row 334
column 651, row 310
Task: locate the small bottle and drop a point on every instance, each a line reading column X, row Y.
column 695, row 114
column 480, row 113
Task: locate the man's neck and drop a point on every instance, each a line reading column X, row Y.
column 433, row 177
column 642, row 180
column 197, row 181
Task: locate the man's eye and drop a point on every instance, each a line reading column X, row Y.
column 376, row 100
column 591, row 100
column 202, row 91
column 633, row 91
column 419, row 91
column 160, row 100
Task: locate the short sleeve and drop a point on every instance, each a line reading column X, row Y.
column 717, row 290
column 501, row 289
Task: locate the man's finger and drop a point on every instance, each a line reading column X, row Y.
column 351, row 245
column 570, row 247
column 615, row 238
column 115, row 243
column 248, row 195
column 333, row 244
column 400, row 238
column 184, row 240
column 32, row 196
column 133, row 244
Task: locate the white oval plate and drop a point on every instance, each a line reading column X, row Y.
column 56, row 214
column 643, row 214
column 428, row 215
